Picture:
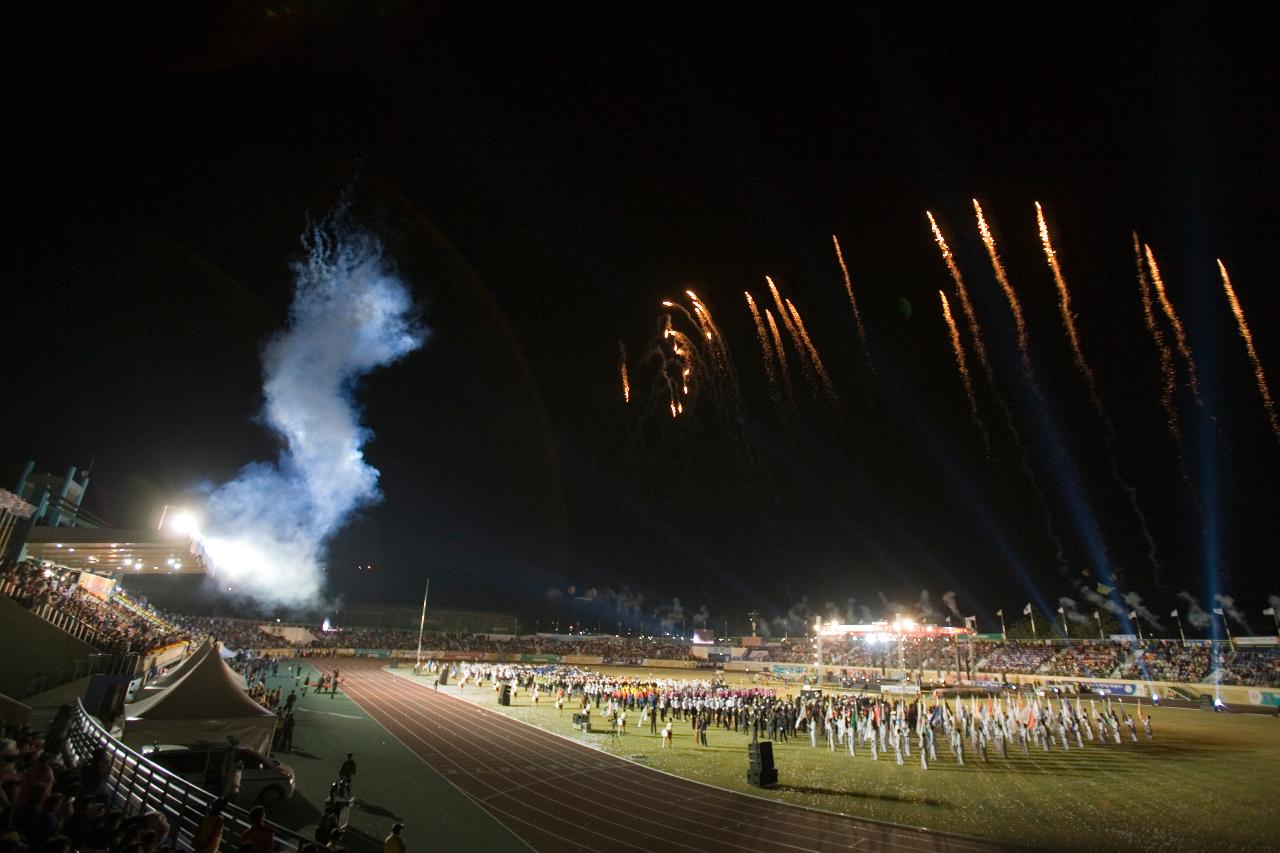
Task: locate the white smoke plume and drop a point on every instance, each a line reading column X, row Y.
column 893, row 608
column 267, row 530
column 1144, row 613
column 1274, row 601
column 1196, row 615
column 670, row 618
column 700, row 619
column 1228, row 605
column 797, row 620
column 925, row 609
column 1103, row 603
column 1069, row 606
column 949, row 599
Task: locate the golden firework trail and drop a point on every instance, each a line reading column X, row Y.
column 853, row 303
column 980, row 350
column 1077, row 355
column 975, row 330
column 792, row 331
column 1068, row 320
column 1168, row 378
column 766, row 348
column 622, row 367
column 718, row 347
column 1247, row 336
column 816, row 360
column 781, row 353
column 1002, row 278
column 1179, row 333
column 963, row 365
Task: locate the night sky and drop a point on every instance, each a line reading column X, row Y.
column 544, row 177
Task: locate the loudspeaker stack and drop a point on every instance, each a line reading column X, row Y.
column 760, row 770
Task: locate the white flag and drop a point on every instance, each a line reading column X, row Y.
column 1000, row 612
column 1174, row 614
column 1026, row 611
column 1063, row 612
column 1133, row 614
column 1270, row 611
column 1217, row 610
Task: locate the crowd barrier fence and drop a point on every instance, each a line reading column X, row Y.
column 137, row 786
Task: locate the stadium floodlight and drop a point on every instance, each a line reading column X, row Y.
column 179, row 520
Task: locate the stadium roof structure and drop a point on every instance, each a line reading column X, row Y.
column 118, row 552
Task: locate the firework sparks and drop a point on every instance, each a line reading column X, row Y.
column 780, row 351
column 1167, row 375
column 1068, row 321
column 1077, row 356
column 853, row 303
column 622, row 368
column 792, row 332
column 963, row 365
column 1179, row 333
column 814, row 358
column 980, row 349
column 1247, row 336
column 766, row 348
column 1002, row 278
column 975, row 330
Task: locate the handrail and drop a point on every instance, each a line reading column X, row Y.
column 137, row 785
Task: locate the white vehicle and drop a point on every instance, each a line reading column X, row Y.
column 253, row 777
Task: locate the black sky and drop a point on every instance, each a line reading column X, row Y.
column 544, row 177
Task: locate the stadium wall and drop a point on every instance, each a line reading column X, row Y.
column 1232, row 694
column 36, row 648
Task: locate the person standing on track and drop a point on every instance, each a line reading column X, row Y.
column 393, row 842
column 286, row 733
column 348, row 771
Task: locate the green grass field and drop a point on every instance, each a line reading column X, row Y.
column 1206, row 782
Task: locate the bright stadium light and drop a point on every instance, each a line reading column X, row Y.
column 179, row 521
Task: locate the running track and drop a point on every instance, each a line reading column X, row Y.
column 558, row 795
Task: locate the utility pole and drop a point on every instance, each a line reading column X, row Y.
column 422, row 623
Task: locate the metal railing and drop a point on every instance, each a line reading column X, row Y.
column 137, row 786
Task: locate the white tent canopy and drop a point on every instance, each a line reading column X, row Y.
column 173, row 676
column 206, row 704
column 151, row 688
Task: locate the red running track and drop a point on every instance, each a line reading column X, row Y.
column 558, row 795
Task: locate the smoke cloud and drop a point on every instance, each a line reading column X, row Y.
column 1228, row 605
column 797, row 619
column 1144, row 613
column 1102, row 602
column 1069, row 606
column 267, row 530
column 949, row 599
column 1195, row 614
column 927, row 612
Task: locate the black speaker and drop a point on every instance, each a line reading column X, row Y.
column 504, row 698
column 1206, row 703
column 444, row 675
column 760, row 755
column 762, row 778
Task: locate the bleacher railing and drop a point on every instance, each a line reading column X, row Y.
column 137, row 786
